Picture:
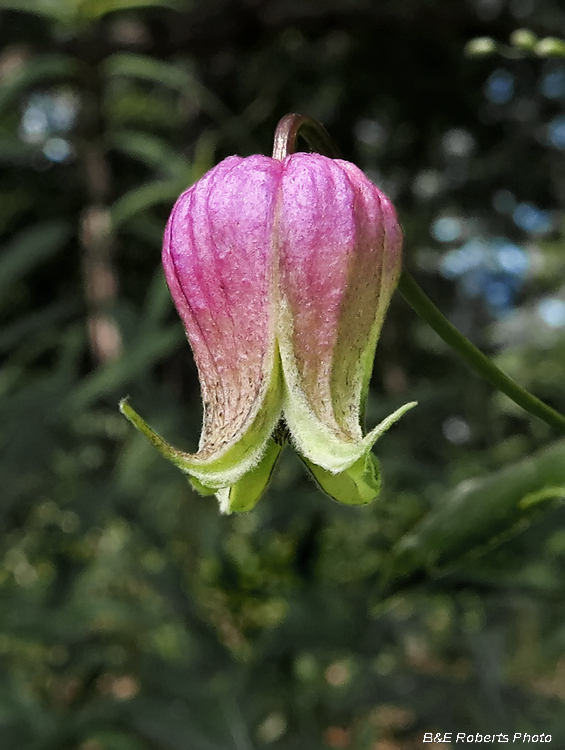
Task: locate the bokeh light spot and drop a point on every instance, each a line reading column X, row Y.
column 499, row 88
column 513, row 259
column 553, row 84
column 457, row 142
column 446, row 229
column 57, row 149
column 504, row 201
column 556, row 132
column 457, row 262
column 427, row 183
column 552, row 311
column 532, row 219
column 456, row 430
column 371, row 133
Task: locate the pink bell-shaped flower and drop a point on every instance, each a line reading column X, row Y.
column 282, row 272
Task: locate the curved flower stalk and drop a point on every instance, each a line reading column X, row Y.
column 282, row 270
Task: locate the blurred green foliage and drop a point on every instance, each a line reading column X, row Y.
column 132, row 615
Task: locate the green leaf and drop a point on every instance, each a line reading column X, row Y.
column 158, row 303
column 153, row 152
column 481, row 513
column 130, row 65
column 178, row 78
column 97, row 8
column 140, row 199
column 14, row 151
column 480, row 47
column 36, row 322
column 50, row 8
column 146, row 228
column 523, row 39
column 550, row 47
column 71, row 11
column 139, row 357
column 31, row 247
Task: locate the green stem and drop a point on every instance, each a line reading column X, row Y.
column 482, row 365
column 294, row 125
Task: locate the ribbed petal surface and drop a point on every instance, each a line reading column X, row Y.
column 218, row 260
column 340, row 257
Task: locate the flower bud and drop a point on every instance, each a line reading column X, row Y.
column 282, row 271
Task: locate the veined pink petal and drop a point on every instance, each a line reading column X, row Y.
column 218, row 261
column 339, row 245
column 282, row 272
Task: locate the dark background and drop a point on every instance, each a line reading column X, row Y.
column 132, row 615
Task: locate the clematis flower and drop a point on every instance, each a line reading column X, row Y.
column 282, row 271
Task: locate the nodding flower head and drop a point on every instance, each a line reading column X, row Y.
column 282, row 271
